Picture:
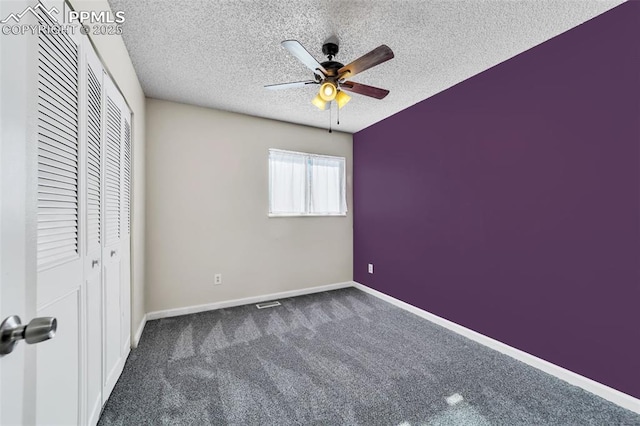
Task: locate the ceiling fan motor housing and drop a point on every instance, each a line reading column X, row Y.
column 332, row 68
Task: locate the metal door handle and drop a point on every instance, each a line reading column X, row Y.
column 94, row 263
column 113, row 253
column 38, row 330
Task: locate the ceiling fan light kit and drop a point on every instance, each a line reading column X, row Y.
column 332, row 75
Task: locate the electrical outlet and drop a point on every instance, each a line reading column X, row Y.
column 371, row 268
column 217, row 279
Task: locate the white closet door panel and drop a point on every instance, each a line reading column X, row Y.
column 94, row 347
column 125, row 276
column 125, row 302
column 112, row 351
column 94, row 100
column 60, row 225
column 58, row 375
column 113, row 305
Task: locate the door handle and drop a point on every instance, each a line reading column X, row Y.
column 113, row 253
column 38, row 330
column 94, row 263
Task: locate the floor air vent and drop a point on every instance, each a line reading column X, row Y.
column 267, row 305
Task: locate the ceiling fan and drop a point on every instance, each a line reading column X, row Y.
column 332, row 76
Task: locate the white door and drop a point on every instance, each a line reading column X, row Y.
column 111, row 246
column 94, row 100
column 17, row 56
column 41, row 219
column 125, row 256
column 60, row 223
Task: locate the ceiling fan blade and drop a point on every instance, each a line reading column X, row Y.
column 377, row 56
column 363, row 89
column 292, row 85
column 296, row 49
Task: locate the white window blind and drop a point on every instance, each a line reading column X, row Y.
column 303, row 184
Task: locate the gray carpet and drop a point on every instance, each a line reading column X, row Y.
column 336, row 358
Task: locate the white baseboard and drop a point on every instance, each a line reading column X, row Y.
column 246, row 301
column 138, row 335
column 603, row 391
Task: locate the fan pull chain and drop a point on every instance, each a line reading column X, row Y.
column 338, row 115
column 330, row 117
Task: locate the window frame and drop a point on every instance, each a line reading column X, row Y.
column 308, row 156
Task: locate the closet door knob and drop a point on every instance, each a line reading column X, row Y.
column 94, row 263
column 113, row 253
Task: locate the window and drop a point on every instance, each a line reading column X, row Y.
column 306, row 184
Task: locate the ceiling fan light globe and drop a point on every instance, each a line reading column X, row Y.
column 319, row 103
column 328, row 92
column 342, row 99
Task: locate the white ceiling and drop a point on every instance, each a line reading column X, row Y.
column 220, row 53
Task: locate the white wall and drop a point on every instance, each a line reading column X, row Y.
column 115, row 57
column 207, row 205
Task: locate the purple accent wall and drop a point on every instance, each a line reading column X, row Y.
column 510, row 203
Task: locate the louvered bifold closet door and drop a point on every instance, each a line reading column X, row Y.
column 94, row 100
column 60, row 221
column 125, row 238
column 113, row 307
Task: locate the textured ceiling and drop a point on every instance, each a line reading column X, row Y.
column 219, row 54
